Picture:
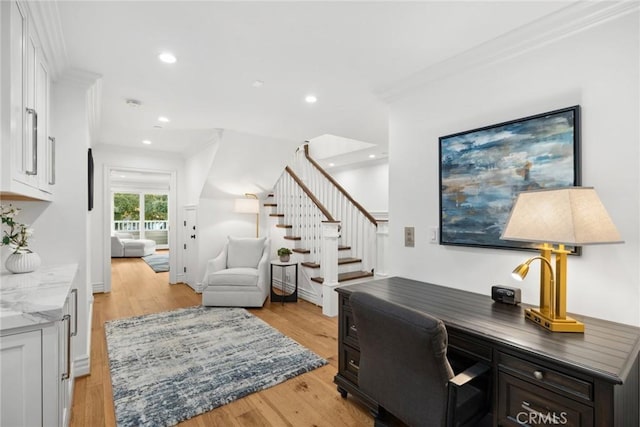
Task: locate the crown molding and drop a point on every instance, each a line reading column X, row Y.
column 48, row 26
column 577, row 17
column 78, row 78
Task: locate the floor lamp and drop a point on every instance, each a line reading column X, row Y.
column 249, row 205
column 571, row 216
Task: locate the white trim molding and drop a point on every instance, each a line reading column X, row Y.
column 568, row 21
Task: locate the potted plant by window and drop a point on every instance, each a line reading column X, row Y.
column 284, row 254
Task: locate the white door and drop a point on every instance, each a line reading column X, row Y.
column 190, row 246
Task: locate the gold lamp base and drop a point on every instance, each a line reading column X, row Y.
column 567, row 324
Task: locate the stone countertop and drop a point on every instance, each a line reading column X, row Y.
column 34, row 298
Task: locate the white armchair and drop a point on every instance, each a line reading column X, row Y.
column 239, row 275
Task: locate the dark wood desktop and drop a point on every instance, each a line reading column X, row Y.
column 538, row 377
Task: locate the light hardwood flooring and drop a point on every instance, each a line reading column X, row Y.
column 310, row 399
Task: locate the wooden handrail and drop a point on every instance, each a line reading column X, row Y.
column 308, row 192
column 339, row 187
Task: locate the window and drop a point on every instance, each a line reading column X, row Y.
column 144, row 215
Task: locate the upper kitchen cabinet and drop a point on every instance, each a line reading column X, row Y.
column 28, row 150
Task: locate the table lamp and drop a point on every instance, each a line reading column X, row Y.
column 571, row 216
column 249, row 205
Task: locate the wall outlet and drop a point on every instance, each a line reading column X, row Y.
column 409, row 237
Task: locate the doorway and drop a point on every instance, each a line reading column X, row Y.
column 140, row 204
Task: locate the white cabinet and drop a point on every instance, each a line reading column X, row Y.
column 28, row 155
column 21, row 372
column 35, row 371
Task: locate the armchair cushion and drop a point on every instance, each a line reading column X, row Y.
column 247, row 277
column 244, row 252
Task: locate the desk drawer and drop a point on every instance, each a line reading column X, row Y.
column 350, row 364
column 523, row 403
column 350, row 332
column 543, row 376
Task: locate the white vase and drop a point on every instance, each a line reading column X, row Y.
column 22, row 263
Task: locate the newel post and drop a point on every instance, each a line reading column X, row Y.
column 329, row 266
column 382, row 247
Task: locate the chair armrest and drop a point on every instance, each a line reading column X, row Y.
column 263, row 268
column 469, row 374
column 216, row 264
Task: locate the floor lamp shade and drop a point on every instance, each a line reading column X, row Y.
column 246, row 206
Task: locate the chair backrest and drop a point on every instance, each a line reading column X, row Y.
column 403, row 359
column 245, row 251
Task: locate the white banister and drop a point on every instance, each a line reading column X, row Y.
column 359, row 230
column 329, row 267
column 383, row 247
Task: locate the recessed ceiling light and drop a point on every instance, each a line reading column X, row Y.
column 146, row 142
column 163, row 119
column 257, row 83
column 372, row 156
column 311, row 99
column 167, row 57
column 332, row 165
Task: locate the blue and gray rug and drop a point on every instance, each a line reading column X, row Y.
column 169, row 367
column 158, row 262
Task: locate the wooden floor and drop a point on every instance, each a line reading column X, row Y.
column 310, row 399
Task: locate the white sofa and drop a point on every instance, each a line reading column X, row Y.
column 239, row 275
column 124, row 245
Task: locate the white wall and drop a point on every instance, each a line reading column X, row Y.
column 110, row 156
column 61, row 226
column 597, row 69
column 368, row 185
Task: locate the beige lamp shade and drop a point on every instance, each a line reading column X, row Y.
column 246, row 206
column 571, row 216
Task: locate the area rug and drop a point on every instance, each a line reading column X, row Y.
column 158, row 262
column 169, row 367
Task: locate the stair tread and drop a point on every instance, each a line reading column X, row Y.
column 284, row 226
column 292, row 238
column 277, row 215
column 344, row 248
column 341, row 261
column 343, row 277
column 270, row 205
column 301, row 251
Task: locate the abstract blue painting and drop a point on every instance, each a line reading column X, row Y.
column 483, row 170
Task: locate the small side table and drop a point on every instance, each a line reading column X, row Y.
column 292, row 297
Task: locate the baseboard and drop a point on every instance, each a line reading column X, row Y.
column 97, row 288
column 82, row 364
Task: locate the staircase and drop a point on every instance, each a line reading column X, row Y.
column 334, row 238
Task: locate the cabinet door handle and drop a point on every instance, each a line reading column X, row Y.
column 74, row 292
column 34, row 143
column 65, row 375
column 353, row 328
column 353, row 364
column 52, row 174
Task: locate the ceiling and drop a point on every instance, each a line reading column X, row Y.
column 345, row 53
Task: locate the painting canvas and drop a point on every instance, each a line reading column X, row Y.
column 483, row 170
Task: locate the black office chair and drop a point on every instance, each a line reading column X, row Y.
column 404, row 367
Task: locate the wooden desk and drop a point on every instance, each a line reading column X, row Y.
column 539, row 377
